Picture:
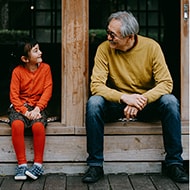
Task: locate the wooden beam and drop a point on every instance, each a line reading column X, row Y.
column 185, row 60
column 74, row 61
column 116, row 128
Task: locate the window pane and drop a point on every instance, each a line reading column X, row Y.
column 142, row 19
column 59, row 36
column 152, row 5
column 58, row 4
column 153, row 19
column 132, row 5
column 58, row 19
column 43, row 35
column 43, row 19
column 142, row 4
column 43, row 4
column 142, row 31
column 153, row 33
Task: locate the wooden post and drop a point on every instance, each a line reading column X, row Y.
column 74, row 61
column 185, row 60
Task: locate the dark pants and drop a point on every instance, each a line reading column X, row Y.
column 99, row 111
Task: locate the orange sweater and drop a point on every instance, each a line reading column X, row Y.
column 33, row 88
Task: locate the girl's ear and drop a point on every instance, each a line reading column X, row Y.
column 24, row 59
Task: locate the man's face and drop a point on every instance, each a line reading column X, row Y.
column 117, row 41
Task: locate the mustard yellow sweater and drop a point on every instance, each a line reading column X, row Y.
column 141, row 70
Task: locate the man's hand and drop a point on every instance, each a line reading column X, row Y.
column 130, row 112
column 135, row 100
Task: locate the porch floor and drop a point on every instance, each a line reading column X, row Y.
column 109, row 182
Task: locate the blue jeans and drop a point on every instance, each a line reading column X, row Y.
column 99, row 111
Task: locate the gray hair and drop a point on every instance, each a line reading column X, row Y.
column 128, row 21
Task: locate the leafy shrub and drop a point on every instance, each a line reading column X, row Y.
column 11, row 36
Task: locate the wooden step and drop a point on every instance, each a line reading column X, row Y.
column 132, row 147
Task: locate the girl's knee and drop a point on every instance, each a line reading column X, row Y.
column 17, row 127
column 38, row 127
column 17, row 124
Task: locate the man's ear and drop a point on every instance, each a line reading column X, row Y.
column 24, row 59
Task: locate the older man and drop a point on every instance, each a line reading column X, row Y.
column 130, row 79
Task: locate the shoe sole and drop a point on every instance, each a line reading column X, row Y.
column 31, row 175
column 17, row 178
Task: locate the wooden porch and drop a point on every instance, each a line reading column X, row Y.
column 109, row 182
column 130, row 148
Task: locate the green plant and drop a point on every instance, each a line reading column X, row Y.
column 97, row 36
column 11, row 36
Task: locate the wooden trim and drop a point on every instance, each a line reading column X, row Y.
column 184, row 63
column 117, row 128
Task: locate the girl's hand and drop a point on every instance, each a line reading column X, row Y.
column 34, row 114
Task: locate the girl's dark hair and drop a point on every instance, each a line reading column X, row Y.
column 22, row 47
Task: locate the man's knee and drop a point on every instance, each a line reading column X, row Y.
column 95, row 101
column 169, row 99
column 170, row 102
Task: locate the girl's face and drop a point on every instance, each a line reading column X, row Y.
column 35, row 55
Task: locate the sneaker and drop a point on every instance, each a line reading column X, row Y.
column 34, row 172
column 93, row 174
column 20, row 173
column 177, row 173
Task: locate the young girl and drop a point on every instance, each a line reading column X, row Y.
column 30, row 92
